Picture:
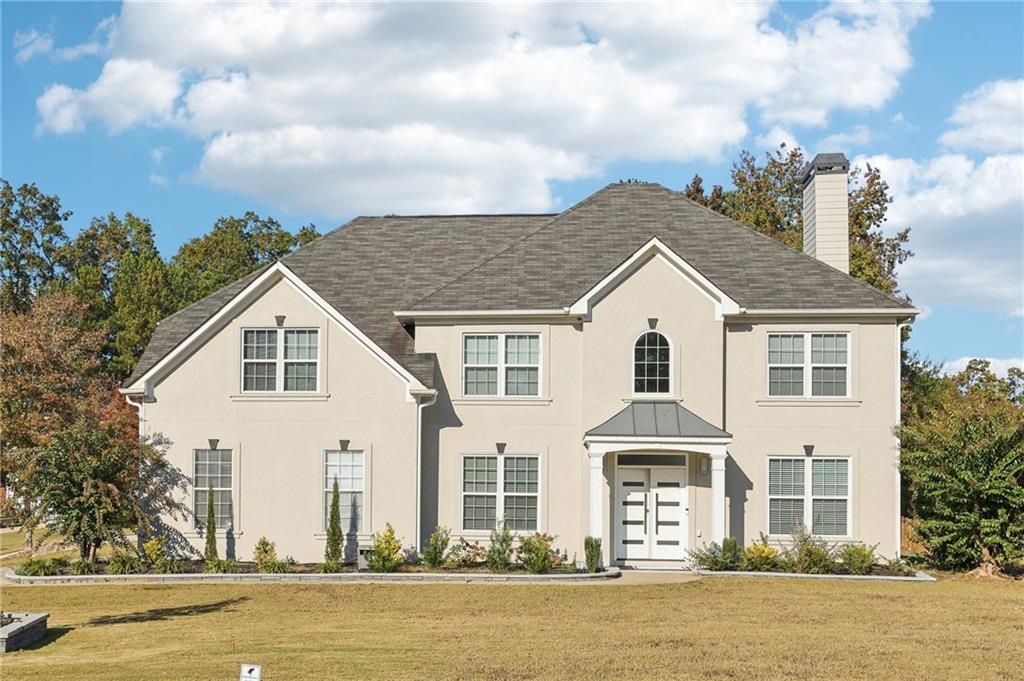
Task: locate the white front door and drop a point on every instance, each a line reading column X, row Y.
column 651, row 513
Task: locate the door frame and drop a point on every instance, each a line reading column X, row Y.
column 613, row 520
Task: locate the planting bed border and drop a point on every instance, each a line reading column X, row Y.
column 260, row 578
column 919, row 577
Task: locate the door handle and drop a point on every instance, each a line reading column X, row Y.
column 657, row 512
column 646, row 494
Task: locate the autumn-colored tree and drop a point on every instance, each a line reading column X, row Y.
column 31, row 237
column 768, row 197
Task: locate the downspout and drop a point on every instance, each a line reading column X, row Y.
column 899, row 422
column 424, row 400
column 140, row 407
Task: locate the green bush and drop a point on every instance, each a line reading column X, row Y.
column 220, row 566
column 154, row 552
column 717, row 558
column 36, row 567
column 857, row 559
column 210, row 529
column 330, row 567
column 499, row 553
column 169, row 566
column 265, row 555
column 437, row 546
column 535, row 553
column 83, row 567
column 463, row 554
column 901, row 567
column 811, row 556
column 385, row 551
column 333, row 549
column 732, row 555
column 124, row 563
column 760, row 557
column 592, row 552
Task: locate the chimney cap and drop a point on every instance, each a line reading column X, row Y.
column 825, row 164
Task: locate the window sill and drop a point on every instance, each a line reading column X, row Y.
column 192, row 534
column 280, row 397
column 359, row 536
column 808, row 402
column 531, row 401
column 788, row 538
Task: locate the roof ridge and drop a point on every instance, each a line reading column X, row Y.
column 557, row 217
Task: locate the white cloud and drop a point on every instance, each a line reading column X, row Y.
column 127, row 93
column 990, row 118
column 967, row 222
column 530, row 93
column 999, row 366
column 858, row 136
column 771, row 139
column 158, row 180
column 28, row 44
column 158, row 154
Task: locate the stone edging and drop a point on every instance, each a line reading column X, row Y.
column 919, row 577
column 9, row 576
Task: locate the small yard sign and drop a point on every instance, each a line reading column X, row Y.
column 251, row 672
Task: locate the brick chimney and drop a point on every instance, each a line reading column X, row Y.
column 827, row 210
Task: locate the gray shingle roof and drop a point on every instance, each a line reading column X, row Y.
column 657, row 419
column 373, row 266
column 556, row 265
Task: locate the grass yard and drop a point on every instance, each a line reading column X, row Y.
column 709, row 628
column 11, row 540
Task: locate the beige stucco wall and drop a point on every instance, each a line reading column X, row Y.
column 278, row 441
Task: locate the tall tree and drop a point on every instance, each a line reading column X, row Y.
column 233, row 248
column 31, row 238
column 768, row 197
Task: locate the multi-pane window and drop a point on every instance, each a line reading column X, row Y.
column 265, row 368
column 502, row 488
column 817, row 499
column 795, row 372
column 212, row 475
column 505, row 364
column 346, row 468
column 652, row 364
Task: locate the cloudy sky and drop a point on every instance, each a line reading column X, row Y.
column 182, row 113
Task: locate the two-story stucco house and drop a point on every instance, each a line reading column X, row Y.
column 637, row 368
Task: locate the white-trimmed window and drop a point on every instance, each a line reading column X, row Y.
column 652, row 364
column 501, row 364
column 212, row 474
column 503, row 487
column 347, row 468
column 823, row 371
column 817, row 499
column 266, row 368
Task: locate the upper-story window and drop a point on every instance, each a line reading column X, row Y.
column 280, row 360
column 823, row 371
column 501, row 364
column 652, row 364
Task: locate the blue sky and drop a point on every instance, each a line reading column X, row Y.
column 315, row 113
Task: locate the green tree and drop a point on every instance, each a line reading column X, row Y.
column 31, row 238
column 964, row 457
column 332, row 552
column 210, row 529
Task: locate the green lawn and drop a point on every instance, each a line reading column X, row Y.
column 709, row 628
column 11, row 541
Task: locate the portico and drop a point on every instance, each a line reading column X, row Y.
column 655, row 446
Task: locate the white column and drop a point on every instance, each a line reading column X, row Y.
column 718, row 496
column 597, row 496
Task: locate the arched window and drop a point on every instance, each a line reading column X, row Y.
column 652, row 364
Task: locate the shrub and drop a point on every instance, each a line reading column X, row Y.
column 169, row 566
column 265, row 556
column 210, row 529
column 330, row 567
column 437, row 546
column 332, row 552
column 562, row 562
column 60, row 564
column 731, row 554
column 124, row 563
column 499, row 554
column 760, row 557
column 225, row 566
column 592, row 552
column 811, row 556
column 535, row 553
column 463, row 554
column 36, row 567
column 83, row 567
column 717, row 558
column 154, row 552
column 385, row 551
column 857, row 559
column 901, row 567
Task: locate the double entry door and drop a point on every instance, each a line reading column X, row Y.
column 651, row 513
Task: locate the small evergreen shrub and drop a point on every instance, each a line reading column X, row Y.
column 210, row 529
column 330, row 567
column 36, row 567
column 857, row 559
column 124, row 563
column 333, row 549
column 169, row 566
column 385, row 551
column 901, row 567
column 264, row 555
column 60, row 564
column 499, row 553
column 535, row 553
column 716, row 557
column 437, row 546
column 463, row 554
column 811, row 556
column 592, row 553
column 760, row 557
column 731, row 554
column 154, row 552
column 220, row 566
column 83, row 567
